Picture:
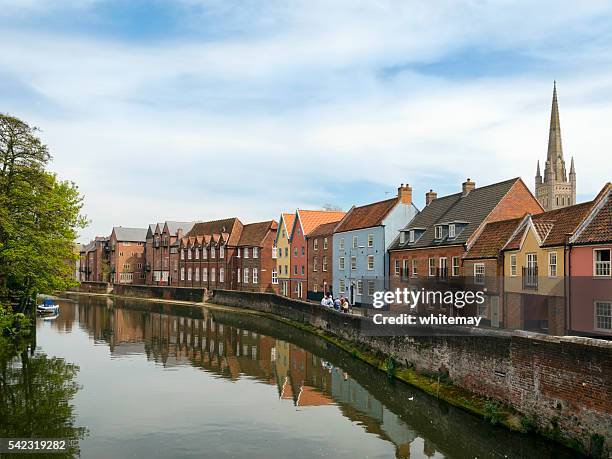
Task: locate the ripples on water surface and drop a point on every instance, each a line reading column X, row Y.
column 182, row 382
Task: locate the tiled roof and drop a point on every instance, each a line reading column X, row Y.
column 325, row 229
column 492, row 239
column 473, row 209
column 130, row 234
column 253, row 234
column 366, row 216
column 288, row 219
column 233, row 226
column 599, row 225
column 310, row 219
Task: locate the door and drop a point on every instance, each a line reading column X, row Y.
column 494, row 311
column 352, row 294
column 299, row 286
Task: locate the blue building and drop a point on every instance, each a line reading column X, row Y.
column 360, row 243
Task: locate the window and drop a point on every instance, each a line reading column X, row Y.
column 370, row 240
column 303, row 251
column 204, row 253
column 324, row 243
column 353, row 263
column 189, row 254
column 479, row 273
column 432, row 266
column 238, row 252
column 126, row 266
column 455, row 266
column 274, row 276
column 341, row 286
column 255, row 276
column 324, row 264
column 286, row 269
column 239, row 273
column 213, row 275
column 415, row 269
column 315, row 244
column 371, row 288
column 451, row 230
column 402, row 237
column 513, row 265
column 397, row 268
column 183, row 254
column 303, row 270
column 552, row 264
column 341, row 243
column 359, row 287
column 221, row 274
column 222, row 251
column 315, row 264
column 370, row 262
column 197, row 275
column 286, row 251
column 273, row 253
column 182, row 274
column 443, row 265
column 341, row 263
column 438, row 232
column 411, row 236
column 204, row 274
column 189, row 274
column 355, row 240
column 245, row 252
column 197, row 254
column 213, row 252
column 255, row 252
column 602, row 262
column 603, row 315
column 405, row 270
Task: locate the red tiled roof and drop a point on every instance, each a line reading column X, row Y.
column 288, row 219
column 492, row 239
column 232, row 226
column 565, row 221
column 253, row 234
column 599, row 228
column 310, row 219
column 326, row 229
column 366, row 216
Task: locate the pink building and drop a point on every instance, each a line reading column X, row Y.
column 590, row 285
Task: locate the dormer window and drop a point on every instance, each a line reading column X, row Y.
column 402, row 237
column 451, row 230
column 411, row 236
column 438, row 232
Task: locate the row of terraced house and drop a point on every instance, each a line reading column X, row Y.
column 544, row 261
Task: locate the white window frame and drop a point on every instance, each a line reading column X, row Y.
column 255, row 276
column 455, row 266
column 189, row 253
column 397, row 268
column 197, row 274
column 341, row 244
column 359, row 287
column 596, row 304
column 371, row 240
column 213, row 252
column 353, row 263
column 415, row 267
column 552, row 265
column 182, row 273
column 451, row 230
column 274, row 276
column 315, row 264
column 255, row 252
column 605, row 267
column 213, row 274
column 371, row 288
column 221, row 274
column 274, row 255
column 204, row 274
column 324, row 264
column 245, row 275
column 431, row 267
column 402, row 237
column 513, row 265
column 479, row 273
column 438, row 231
column 239, row 276
column 341, row 263
column 411, row 236
column 315, row 244
column 222, row 251
column 197, row 254
column 245, row 252
column 324, row 243
column 341, row 286
column 371, row 263
column 355, row 241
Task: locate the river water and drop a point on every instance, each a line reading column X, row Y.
column 136, row 379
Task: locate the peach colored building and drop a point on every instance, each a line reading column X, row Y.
column 127, row 260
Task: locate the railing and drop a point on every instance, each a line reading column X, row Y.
column 530, row 277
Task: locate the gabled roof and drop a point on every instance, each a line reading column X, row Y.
column 253, row 234
column 552, row 228
column 492, row 239
column 367, row 216
column 326, row 229
column 473, row 209
column 597, row 226
column 232, row 226
column 310, row 219
column 130, row 234
column 286, row 223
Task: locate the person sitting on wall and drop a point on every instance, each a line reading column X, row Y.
column 337, row 303
column 345, row 305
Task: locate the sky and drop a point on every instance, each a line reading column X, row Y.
column 205, row 109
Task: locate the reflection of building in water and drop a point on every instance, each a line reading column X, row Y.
column 302, row 378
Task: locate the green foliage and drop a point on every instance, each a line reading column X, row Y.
column 12, row 324
column 391, row 366
column 528, row 424
column 491, row 412
column 39, row 217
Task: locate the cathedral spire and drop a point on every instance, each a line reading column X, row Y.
column 555, row 149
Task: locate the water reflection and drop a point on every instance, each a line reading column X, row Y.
column 306, row 372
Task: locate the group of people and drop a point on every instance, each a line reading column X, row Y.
column 339, row 304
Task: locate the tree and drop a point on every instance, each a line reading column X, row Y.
column 39, row 217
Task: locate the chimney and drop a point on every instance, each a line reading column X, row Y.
column 404, row 193
column 430, row 196
column 468, row 186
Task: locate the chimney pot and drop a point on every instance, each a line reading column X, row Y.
column 467, row 186
column 430, row 196
column 404, row 193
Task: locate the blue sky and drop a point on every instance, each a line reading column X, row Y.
column 201, row 109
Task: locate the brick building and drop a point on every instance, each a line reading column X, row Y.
column 127, row 260
column 161, row 237
column 304, row 223
column 206, row 255
column 320, row 260
column 255, row 263
column 94, row 261
column 430, row 249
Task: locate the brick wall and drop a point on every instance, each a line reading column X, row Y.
column 319, row 278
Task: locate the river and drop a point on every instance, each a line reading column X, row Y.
column 139, row 379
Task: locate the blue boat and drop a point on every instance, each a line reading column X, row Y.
column 48, row 306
